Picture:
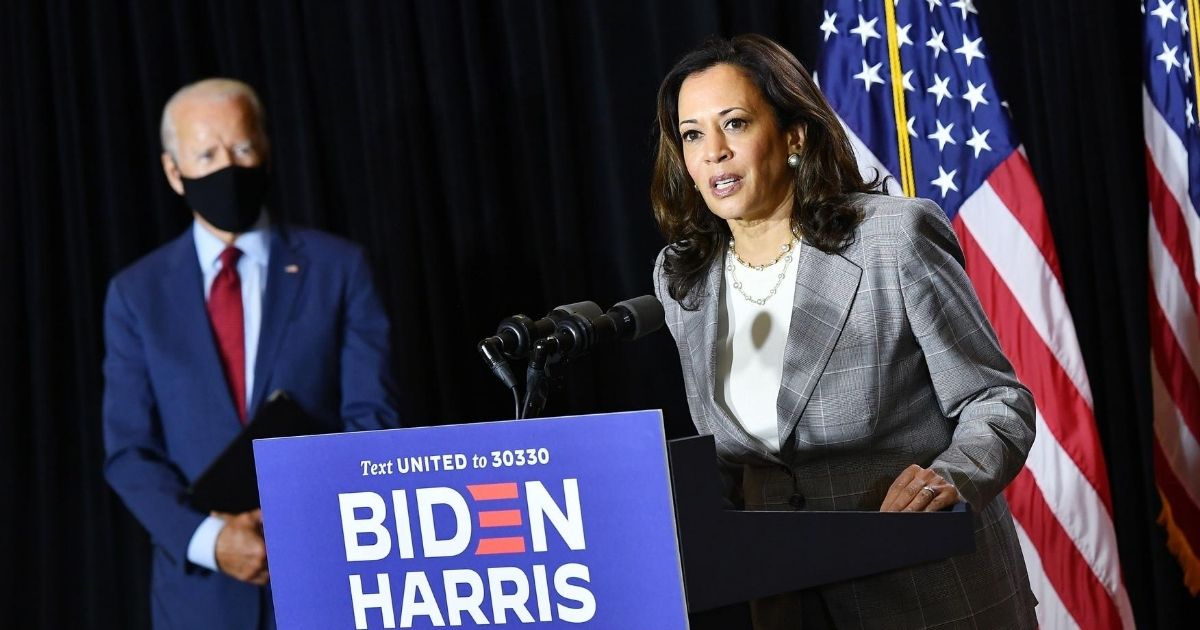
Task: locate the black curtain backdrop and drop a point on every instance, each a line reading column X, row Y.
column 493, row 158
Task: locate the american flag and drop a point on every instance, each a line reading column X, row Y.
column 923, row 64
column 1173, row 177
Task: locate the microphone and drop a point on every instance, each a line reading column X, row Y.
column 625, row 321
column 578, row 333
column 638, row 317
column 515, row 337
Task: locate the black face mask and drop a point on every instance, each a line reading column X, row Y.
column 230, row 199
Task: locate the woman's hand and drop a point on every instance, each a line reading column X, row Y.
column 919, row 490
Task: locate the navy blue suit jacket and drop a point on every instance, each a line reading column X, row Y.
column 168, row 411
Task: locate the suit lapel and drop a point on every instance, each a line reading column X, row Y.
column 700, row 329
column 286, row 270
column 183, row 286
column 826, row 285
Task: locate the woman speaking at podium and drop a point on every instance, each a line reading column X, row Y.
column 830, row 339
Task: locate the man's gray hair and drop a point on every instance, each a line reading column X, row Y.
column 217, row 88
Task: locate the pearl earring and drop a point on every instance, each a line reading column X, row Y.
column 793, row 160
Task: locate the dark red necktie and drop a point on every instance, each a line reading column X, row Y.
column 225, row 314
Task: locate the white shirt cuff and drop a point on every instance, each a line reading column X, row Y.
column 202, row 549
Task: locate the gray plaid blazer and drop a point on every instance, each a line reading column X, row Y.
column 889, row 361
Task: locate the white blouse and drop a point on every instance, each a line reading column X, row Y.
column 750, row 343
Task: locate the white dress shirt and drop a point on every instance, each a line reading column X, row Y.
column 750, row 344
column 252, row 268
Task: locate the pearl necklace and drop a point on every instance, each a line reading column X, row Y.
column 785, row 255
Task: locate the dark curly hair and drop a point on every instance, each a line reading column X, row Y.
column 826, row 177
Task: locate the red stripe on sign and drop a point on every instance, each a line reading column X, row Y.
column 492, row 546
column 1172, row 228
column 500, row 518
column 1085, row 597
column 1013, row 183
column 1066, row 413
column 1177, row 375
column 1185, row 512
column 492, row 491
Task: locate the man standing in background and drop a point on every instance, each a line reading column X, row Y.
column 200, row 331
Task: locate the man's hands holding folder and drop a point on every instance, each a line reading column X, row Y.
column 241, row 551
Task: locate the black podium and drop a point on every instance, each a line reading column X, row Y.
column 733, row 556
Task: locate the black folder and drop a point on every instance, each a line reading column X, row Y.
column 230, row 484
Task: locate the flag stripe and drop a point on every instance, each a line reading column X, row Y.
column 1051, row 612
column 1013, row 183
column 1179, row 445
column 1171, row 228
column 1010, row 249
column 1073, row 493
column 1078, row 588
column 1170, row 158
column 1179, row 382
column 1078, row 508
column 1036, row 366
column 1167, row 287
column 1079, row 498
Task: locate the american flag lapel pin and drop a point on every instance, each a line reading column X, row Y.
column 292, row 269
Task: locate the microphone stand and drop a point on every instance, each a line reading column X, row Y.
column 573, row 336
column 542, row 373
column 576, row 329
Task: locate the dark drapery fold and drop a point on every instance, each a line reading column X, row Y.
column 493, row 157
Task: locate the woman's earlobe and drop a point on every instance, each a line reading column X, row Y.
column 797, row 138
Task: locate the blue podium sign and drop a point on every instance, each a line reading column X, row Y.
column 557, row 522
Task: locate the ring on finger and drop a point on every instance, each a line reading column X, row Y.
column 930, row 490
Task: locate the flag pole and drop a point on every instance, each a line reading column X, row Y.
column 907, row 183
column 1193, row 19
